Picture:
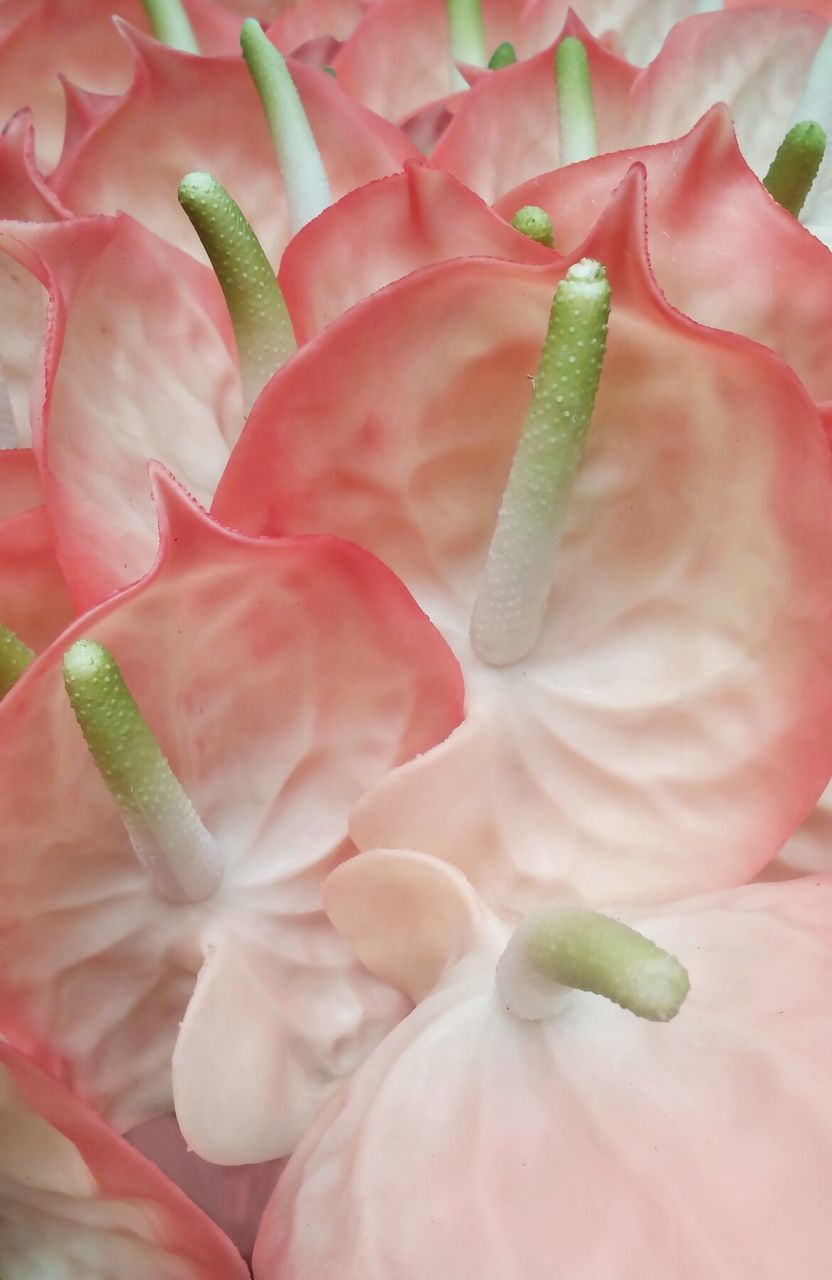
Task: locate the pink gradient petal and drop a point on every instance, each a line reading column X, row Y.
column 34, row 599
column 755, row 60
column 77, row 38
column 184, row 113
column 282, row 679
column 722, row 250
column 77, row 1201
column 296, row 24
column 384, row 231
column 472, row 1144
column 23, row 192
column 138, row 365
column 398, row 58
column 506, row 129
column 670, row 730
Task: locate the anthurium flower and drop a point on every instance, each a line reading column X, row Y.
column 75, row 38
column 34, row 600
column 762, row 63
column 77, row 1202
column 539, row 1130
column 665, row 733
column 279, row 680
column 705, row 209
column 183, row 113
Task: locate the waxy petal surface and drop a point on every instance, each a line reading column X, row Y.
column 721, row 249
column 384, row 231
column 184, row 113
column 23, row 191
column 34, row 598
column 139, row 365
column 666, row 734
column 77, row 1202
column 509, row 1135
column 77, row 39
column 282, row 679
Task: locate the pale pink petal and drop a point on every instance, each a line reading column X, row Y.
column 77, row 38
column 592, row 1144
column 720, row 247
column 77, row 1202
column 398, row 58
column 296, row 24
column 506, row 130
column 755, row 60
column 670, row 729
column 139, row 365
column 234, row 1197
column 282, row 679
column 184, row 113
column 384, row 231
column 23, row 192
column 23, row 309
column 34, row 599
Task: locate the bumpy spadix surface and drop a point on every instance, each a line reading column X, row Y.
column 666, row 733
column 281, row 679
column 77, row 1203
column 592, row 1144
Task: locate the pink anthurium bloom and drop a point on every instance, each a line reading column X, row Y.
column 668, row 730
column 514, row 1129
column 77, row 1202
column 281, row 680
column 505, row 131
column 707, row 210
column 183, row 113
column 700, row 193
column 34, row 599
column 41, row 41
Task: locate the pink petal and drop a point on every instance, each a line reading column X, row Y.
column 506, row 130
column 384, row 231
column 670, row 730
column 756, row 61
column 184, row 113
column 139, row 365
column 23, row 192
column 398, row 58
column 78, row 1201
column 701, row 195
column 472, row 1144
column 77, row 38
column 296, row 24
column 275, row 720
column 34, row 599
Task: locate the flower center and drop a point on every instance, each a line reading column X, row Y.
column 576, row 109
column 534, row 222
column 795, row 167
column 15, row 657
column 511, row 605
column 503, row 56
column 466, row 33
column 304, row 176
column 170, row 25
column 165, row 830
column 560, row 949
column 262, row 328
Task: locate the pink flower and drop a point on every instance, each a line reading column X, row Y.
column 574, row 1138
column 281, row 679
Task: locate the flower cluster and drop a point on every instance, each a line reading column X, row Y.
column 415, row 640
